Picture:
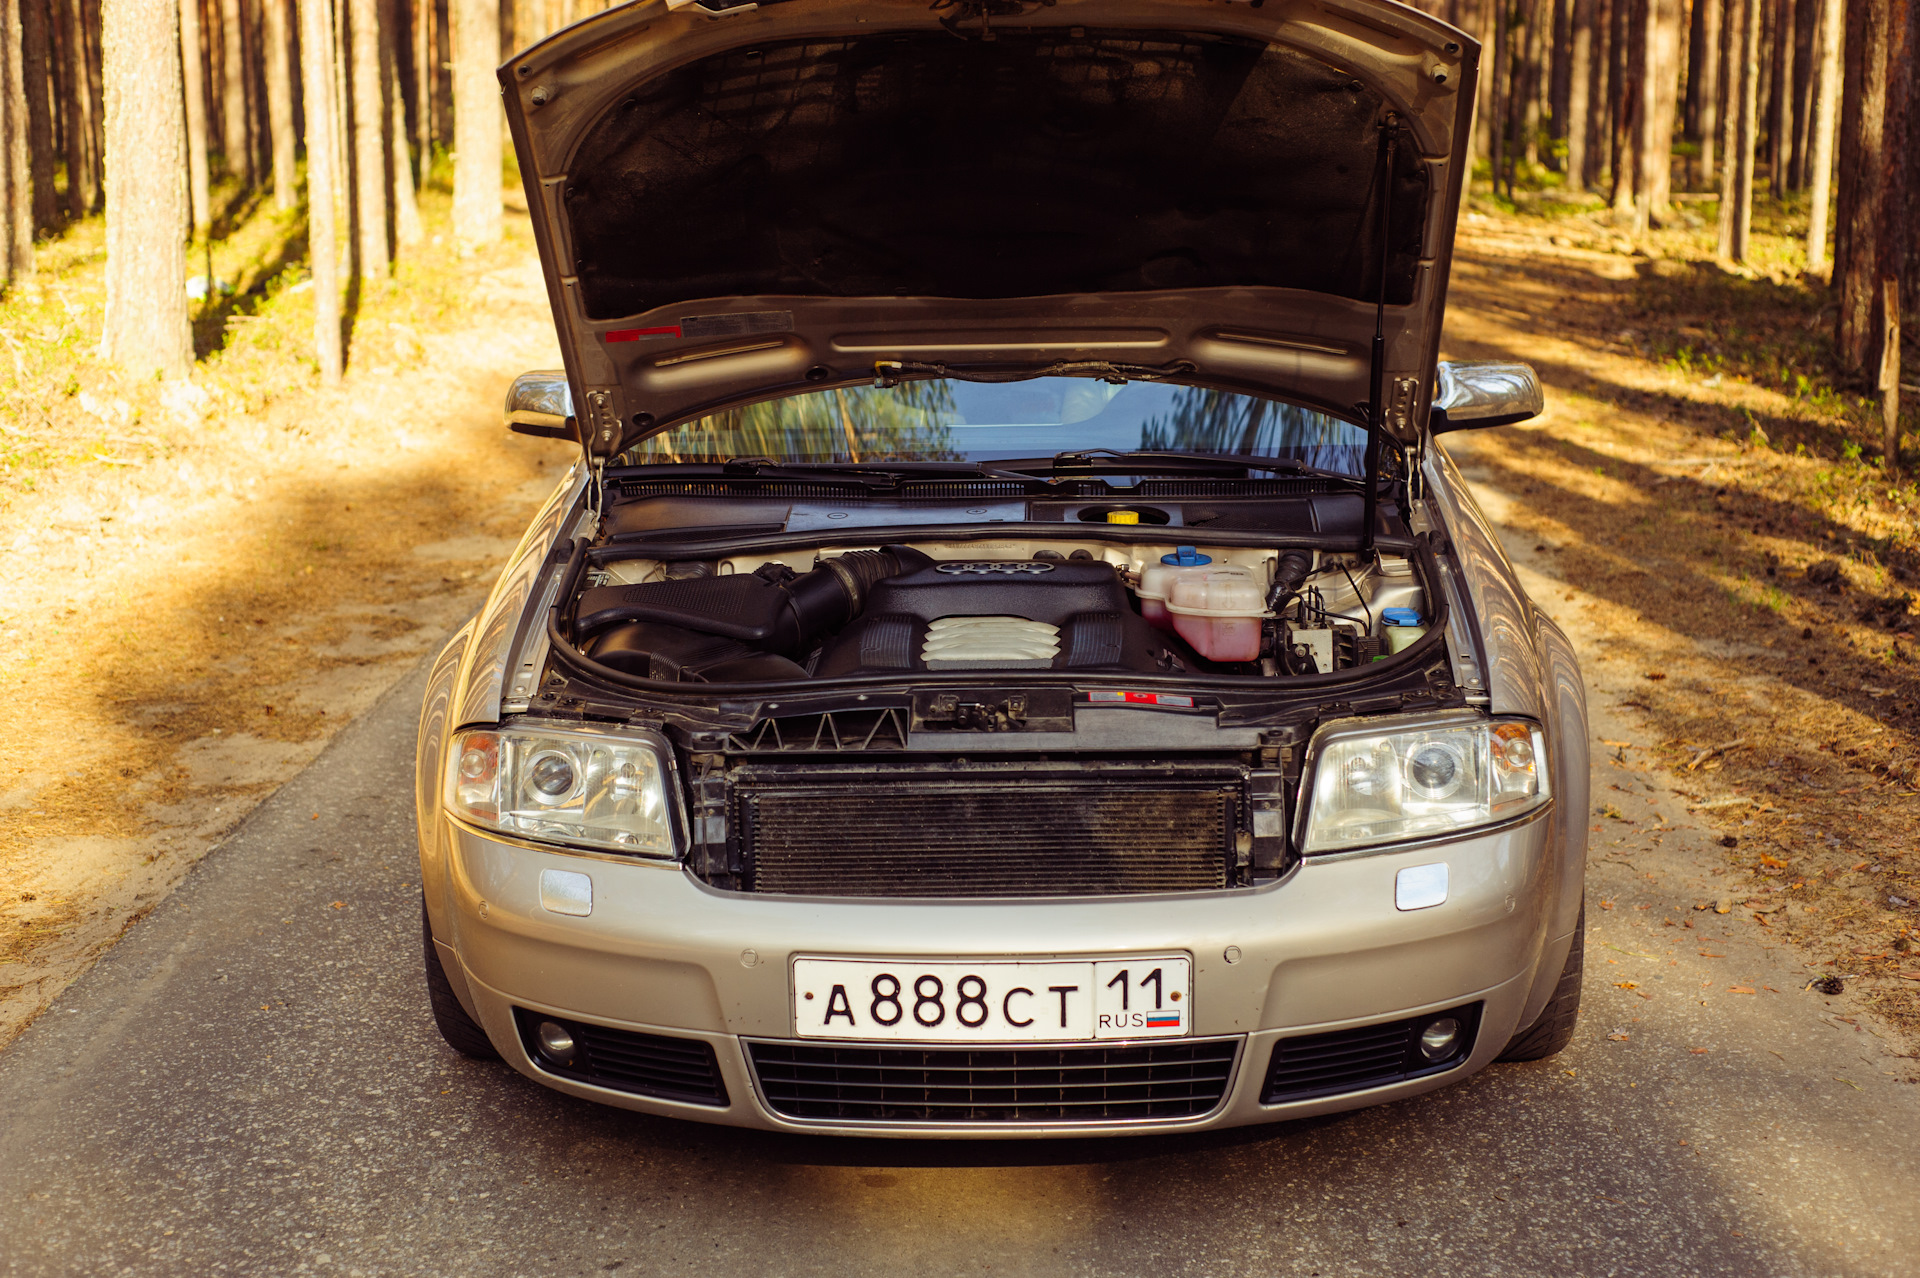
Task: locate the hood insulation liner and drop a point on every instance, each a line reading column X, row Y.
column 1040, row 162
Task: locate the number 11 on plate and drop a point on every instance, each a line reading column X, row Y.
column 994, row 1001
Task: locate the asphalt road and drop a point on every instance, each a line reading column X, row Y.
column 249, row 1084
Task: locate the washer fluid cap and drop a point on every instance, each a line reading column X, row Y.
column 1186, row 557
column 1123, row 516
column 1399, row 616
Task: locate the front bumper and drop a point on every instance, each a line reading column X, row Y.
column 1323, row 949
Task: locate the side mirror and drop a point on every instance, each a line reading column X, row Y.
column 1484, row 394
column 541, row 404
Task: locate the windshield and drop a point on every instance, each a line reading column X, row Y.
column 954, row 421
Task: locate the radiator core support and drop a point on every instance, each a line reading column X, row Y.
column 968, row 828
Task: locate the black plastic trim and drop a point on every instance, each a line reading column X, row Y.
column 657, row 1065
column 1309, row 1066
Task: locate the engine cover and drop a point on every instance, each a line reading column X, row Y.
column 1044, row 590
column 1000, row 614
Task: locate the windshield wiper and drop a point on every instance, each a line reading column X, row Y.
column 871, row 474
column 1275, row 465
column 1113, row 460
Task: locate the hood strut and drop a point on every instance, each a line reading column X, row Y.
column 1377, row 360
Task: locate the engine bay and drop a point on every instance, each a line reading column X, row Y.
column 1082, row 605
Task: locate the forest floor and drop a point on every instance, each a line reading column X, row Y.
column 1743, row 574
column 204, row 584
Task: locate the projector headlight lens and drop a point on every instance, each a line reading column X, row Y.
column 586, row 787
column 1379, row 784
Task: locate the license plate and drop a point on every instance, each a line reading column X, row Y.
column 1002, row 1001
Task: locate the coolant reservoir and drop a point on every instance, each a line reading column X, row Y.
column 1156, row 582
column 1218, row 611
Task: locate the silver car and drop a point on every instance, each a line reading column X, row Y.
column 1011, row 659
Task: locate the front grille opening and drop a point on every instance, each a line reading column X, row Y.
column 1353, row 1060
column 680, row 1069
column 1001, row 1085
column 1015, row 835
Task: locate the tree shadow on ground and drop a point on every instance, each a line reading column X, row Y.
column 218, row 313
column 1654, row 561
column 1692, row 319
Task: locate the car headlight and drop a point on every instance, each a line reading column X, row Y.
column 592, row 788
column 1395, row 781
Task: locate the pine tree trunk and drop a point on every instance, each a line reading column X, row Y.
column 371, row 182
column 1806, row 17
column 1780, row 117
column 56, row 88
column 97, row 91
column 1619, row 109
column 1500, row 107
column 1706, row 72
column 1744, row 159
column 442, row 59
column 423, row 82
column 1481, row 26
column 343, row 191
column 259, row 115
column 1646, row 114
column 278, row 70
column 199, row 196
column 476, row 122
column 1734, row 66
column 1579, row 81
column 146, row 327
column 1599, row 106
column 83, row 186
column 1696, row 54
column 1663, row 102
column 407, row 231
column 37, row 56
column 1560, row 82
column 1631, row 109
column 16, row 185
column 317, row 83
column 1857, row 265
column 236, row 124
column 1910, row 286
column 1528, row 96
column 1899, row 198
column 1826, row 112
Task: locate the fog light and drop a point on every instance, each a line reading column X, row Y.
column 556, row 1044
column 1437, row 1041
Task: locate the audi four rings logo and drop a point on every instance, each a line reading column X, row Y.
column 1007, row 566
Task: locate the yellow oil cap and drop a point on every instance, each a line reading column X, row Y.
column 1123, row 516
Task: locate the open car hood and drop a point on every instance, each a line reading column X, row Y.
column 734, row 203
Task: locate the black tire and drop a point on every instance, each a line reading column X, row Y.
column 459, row 1029
column 1554, row 1030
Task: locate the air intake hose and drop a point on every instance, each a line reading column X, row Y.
column 1288, row 574
column 773, row 610
column 833, row 594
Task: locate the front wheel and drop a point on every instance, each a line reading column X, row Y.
column 1554, row 1029
column 463, row 1035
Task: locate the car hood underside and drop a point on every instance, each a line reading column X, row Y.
column 735, row 203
